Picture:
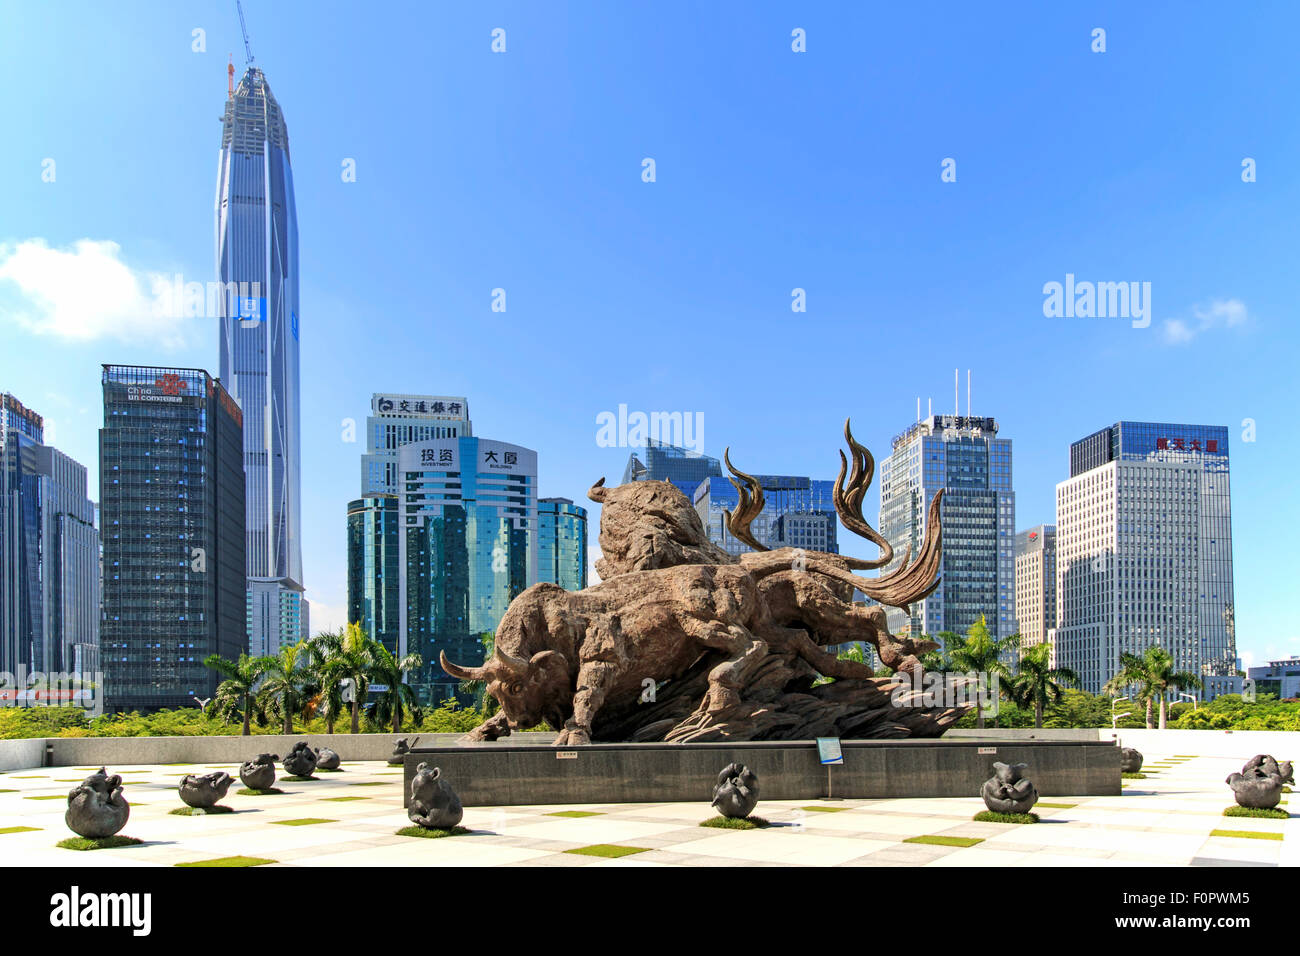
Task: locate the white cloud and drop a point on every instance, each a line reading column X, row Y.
column 1220, row 314
column 82, row 293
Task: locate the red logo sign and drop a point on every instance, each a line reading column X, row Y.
column 171, row 384
column 1181, row 444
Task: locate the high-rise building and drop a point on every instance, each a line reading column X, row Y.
column 685, row 469
column 562, row 543
column 468, row 546
column 797, row 512
column 257, row 259
column 49, row 553
column 171, row 482
column 962, row 455
column 1144, row 551
column 374, row 576
column 374, row 568
column 396, row 420
column 1035, row 584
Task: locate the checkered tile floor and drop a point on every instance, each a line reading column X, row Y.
column 351, row 818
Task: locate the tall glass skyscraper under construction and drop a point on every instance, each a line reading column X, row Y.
column 257, row 262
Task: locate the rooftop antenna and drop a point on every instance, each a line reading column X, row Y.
column 968, row 393
column 956, row 385
column 248, row 50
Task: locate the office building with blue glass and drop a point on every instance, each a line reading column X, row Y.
column 1144, row 552
column 373, row 541
column 49, row 553
column 661, row 462
column 468, row 528
column 257, row 258
column 964, row 456
column 171, row 482
column 562, row 543
column 798, row 512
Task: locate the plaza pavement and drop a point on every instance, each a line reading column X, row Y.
column 350, row 818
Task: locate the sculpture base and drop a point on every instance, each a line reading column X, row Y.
column 498, row 774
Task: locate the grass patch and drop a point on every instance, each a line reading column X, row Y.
column 326, row 770
column 824, row 809
column 735, row 823
column 102, row 843
column 610, row 850
column 49, row 796
column 302, row 779
column 992, row 816
column 8, row 791
column 1273, row 814
column 302, row 822
column 574, row 813
column 200, row 811
column 342, row 799
column 250, row 792
column 231, row 861
column 431, row 833
column 373, row 783
column 1134, row 776
column 39, row 776
column 944, row 840
column 1055, row 806
column 17, row 829
column 1246, row 834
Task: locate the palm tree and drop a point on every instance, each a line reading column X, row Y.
column 1038, row 683
column 1164, row 679
column 399, row 697
column 982, row 653
column 328, row 676
column 349, row 654
column 235, row 693
column 1134, row 677
column 284, row 680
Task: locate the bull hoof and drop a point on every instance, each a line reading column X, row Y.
column 573, row 737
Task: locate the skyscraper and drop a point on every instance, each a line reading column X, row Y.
column 396, row 420
column 171, row 485
column 468, row 513
column 1035, row 583
column 1144, row 551
column 257, row 252
column 374, row 575
column 49, row 553
column 562, row 543
column 685, row 469
column 374, row 568
column 797, row 512
column 964, row 456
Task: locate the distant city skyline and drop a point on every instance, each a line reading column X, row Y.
column 424, row 185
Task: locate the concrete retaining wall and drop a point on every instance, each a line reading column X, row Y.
column 123, row 751
column 787, row 770
column 1027, row 733
column 21, row 754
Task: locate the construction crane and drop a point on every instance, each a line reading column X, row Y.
column 248, row 50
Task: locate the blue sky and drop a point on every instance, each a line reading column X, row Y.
column 775, row 170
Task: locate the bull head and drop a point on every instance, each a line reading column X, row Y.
column 529, row 691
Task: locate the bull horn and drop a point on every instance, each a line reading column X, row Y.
column 515, row 666
column 598, row 491
column 464, row 673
